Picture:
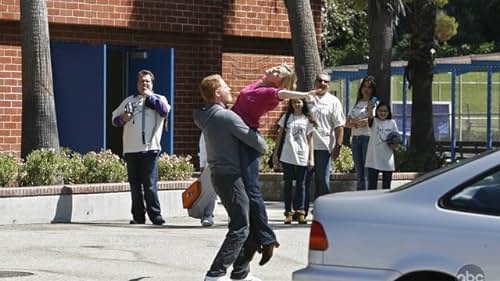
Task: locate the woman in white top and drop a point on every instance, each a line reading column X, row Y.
column 380, row 154
column 296, row 156
column 357, row 120
column 203, row 208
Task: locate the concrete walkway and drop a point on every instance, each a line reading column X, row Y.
column 181, row 250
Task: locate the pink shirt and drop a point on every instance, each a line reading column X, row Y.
column 254, row 101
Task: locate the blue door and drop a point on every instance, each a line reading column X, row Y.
column 161, row 63
column 79, row 76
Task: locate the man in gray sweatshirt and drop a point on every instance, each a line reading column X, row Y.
column 223, row 130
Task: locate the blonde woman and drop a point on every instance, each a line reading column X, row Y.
column 256, row 99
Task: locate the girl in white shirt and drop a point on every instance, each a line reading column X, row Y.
column 380, row 154
column 296, row 156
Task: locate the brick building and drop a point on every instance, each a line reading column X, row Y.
column 98, row 46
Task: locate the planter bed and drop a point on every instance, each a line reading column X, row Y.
column 111, row 201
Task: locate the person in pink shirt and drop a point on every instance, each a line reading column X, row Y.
column 255, row 100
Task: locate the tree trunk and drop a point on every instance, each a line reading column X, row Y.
column 419, row 73
column 305, row 46
column 380, row 30
column 39, row 127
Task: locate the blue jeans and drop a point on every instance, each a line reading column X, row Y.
column 233, row 196
column 359, row 146
column 291, row 172
column 261, row 233
column 142, row 169
column 322, row 164
column 373, row 178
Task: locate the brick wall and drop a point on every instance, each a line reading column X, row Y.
column 262, row 18
column 10, row 89
column 195, row 57
column 256, row 18
column 207, row 37
column 196, row 42
column 187, row 16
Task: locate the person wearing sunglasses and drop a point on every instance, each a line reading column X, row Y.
column 327, row 136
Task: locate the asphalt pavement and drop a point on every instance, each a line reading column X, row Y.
column 181, row 250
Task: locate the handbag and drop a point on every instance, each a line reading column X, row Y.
column 191, row 194
column 279, row 147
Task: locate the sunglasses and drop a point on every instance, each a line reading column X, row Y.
column 322, row 80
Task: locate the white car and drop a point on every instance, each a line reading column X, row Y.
column 443, row 226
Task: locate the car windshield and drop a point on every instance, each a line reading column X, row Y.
column 441, row 170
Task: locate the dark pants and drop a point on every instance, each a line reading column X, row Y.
column 142, row 171
column 373, row 178
column 233, row 196
column 291, row 172
column 359, row 146
column 321, row 171
column 261, row 233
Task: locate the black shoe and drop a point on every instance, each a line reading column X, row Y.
column 267, row 252
column 158, row 221
column 137, row 221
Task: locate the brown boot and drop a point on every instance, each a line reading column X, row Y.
column 288, row 217
column 267, row 252
column 301, row 216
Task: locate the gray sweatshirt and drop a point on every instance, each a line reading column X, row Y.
column 224, row 130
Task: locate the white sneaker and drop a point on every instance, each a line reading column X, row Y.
column 220, row 278
column 207, row 221
column 249, row 277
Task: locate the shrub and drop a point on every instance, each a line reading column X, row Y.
column 42, row 167
column 264, row 167
column 345, row 163
column 173, row 167
column 102, row 167
column 8, row 168
column 72, row 166
column 407, row 161
column 47, row 167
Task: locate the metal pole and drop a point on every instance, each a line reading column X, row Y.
column 404, row 97
column 488, row 110
column 341, row 87
column 460, row 107
column 347, row 92
column 439, row 91
column 453, row 141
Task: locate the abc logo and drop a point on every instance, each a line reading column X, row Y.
column 470, row 272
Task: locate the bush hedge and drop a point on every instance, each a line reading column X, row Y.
column 48, row 167
column 8, row 168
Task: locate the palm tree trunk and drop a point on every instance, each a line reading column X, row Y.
column 380, row 30
column 39, row 122
column 419, row 73
column 305, row 46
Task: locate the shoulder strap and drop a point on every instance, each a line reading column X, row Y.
column 287, row 116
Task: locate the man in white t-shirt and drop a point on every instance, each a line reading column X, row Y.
column 327, row 137
column 142, row 116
